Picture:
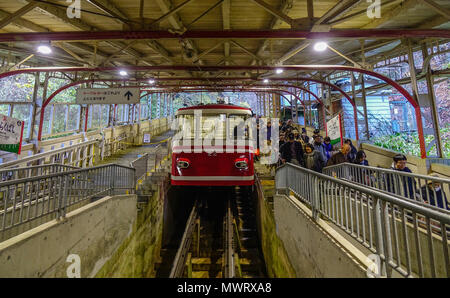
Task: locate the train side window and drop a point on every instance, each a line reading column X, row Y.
column 238, row 123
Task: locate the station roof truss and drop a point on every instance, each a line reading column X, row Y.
column 122, row 33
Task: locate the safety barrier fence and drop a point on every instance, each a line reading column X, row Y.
column 421, row 188
column 409, row 238
column 50, row 196
column 34, row 171
column 85, row 154
column 78, row 155
column 150, row 161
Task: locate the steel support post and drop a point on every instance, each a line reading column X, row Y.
column 433, row 105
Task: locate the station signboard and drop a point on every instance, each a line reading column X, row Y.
column 108, row 95
column 334, row 130
column 11, row 134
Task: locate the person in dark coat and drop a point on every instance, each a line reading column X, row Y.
column 318, row 146
column 304, row 136
column 432, row 194
column 339, row 157
column 313, row 159
column 328, row 147
column 409, row 184
column 361, row 158
column 292, row 151
column 352, row 154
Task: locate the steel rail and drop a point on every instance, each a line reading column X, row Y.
column 179, row 262
column 228, row 257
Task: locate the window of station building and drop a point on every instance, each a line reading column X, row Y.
column 59, row 122
column 144, row 111
column 17, row 88
column 94, row 116
column 105, row 115
column 23, row 112
column 73, row 122
column 47, row 120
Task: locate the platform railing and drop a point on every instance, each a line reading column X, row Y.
column 33, row 171
column 434, row 191
column 78, row 155
column 408, row 237
column 50, row 196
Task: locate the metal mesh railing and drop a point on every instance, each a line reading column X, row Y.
column 410, row 238
column 27, row 199
column 434, row 191
column 34, row 171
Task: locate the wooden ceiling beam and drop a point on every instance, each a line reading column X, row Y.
column 20, row 22
column 438, row 8
column 339, row 9
column 108, row 7
column 79, row 24
column 286, row 6
column 392, row 13
column 10, row 18
column 277, row 13
column 175, row 21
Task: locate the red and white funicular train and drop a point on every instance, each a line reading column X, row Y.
column 213, row 146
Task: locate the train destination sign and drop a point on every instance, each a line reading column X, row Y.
column 11, row 133
column 108, row 95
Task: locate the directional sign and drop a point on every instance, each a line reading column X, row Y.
column 108, row 96
column 11, row 133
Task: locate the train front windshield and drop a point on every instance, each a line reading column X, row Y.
column 223, row 126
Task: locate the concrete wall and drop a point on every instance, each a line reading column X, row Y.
column 315, row 248
column 137, row 255
column 278, row 264
column 93, row 232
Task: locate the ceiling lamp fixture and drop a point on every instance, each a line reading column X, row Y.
column 44, row 49
column 279, row 70
column 266, row 81
column 320, row 46
column 123, row 73
column 151, row 81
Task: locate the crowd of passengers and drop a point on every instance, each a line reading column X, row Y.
column 317, row 152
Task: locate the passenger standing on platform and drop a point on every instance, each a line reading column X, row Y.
column 339, row 157
column 304, row 136
column 313, row 159
column 361, row 158
column 269, row 129
column 318, row 146
column 288, row 126
column 328, row 147
column 292, row 151
column 315, row 133
column 438, row 200
column 282, row 140
column 352, row 154
column 409, row 184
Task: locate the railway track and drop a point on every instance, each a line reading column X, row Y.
column 220, row 240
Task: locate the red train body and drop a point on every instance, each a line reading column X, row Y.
column 213, row 161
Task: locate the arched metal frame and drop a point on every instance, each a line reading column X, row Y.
column 267, row 90
column 197, row 68
column 268, row 86
column 54, row 94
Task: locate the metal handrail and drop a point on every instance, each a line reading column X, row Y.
column 49, row 196
column 407, row 185
column 43, row 155
column 16, row 173
column 396, row 229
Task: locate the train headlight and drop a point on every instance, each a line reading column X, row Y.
column 241, row 163
column 183, row 163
